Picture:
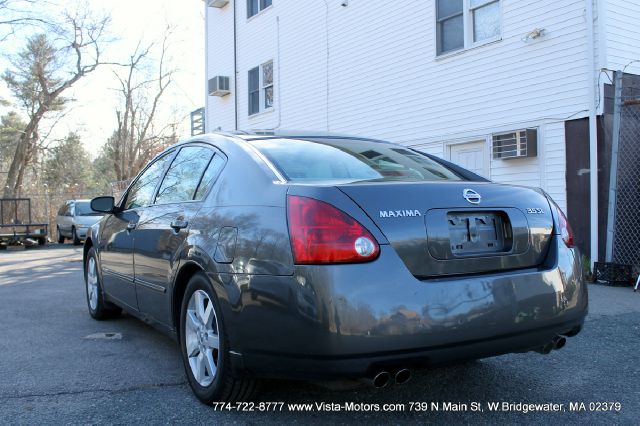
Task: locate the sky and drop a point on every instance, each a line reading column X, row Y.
column 92, row 114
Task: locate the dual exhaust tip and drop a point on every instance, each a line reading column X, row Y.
column 556, row 343
column 383, row 378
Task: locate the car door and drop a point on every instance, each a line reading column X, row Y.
column 117, row 234
column 66, row 219
column 164, row 226
column 60, row 219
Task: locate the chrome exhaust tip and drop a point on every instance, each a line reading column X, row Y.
column 402, row 376
column 381, row 379
column 558, row 342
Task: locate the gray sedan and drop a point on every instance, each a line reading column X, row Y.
column 330, row 257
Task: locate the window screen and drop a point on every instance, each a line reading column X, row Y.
column 450, row 23
column 254, row 90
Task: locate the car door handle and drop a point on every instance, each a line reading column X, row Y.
column 179, row 224
column 131, row 226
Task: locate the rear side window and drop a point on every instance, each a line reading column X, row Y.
column 183, row 177
column 141, row 192
column 350, row 161
column 209, row 177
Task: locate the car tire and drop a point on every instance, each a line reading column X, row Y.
column 60, row 236
column 42, row 241
column 74, row 236
column 98, row 308
column 201, row 329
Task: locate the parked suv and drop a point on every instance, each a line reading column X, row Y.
column 73, row 220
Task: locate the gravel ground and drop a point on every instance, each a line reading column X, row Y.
column 51, row 372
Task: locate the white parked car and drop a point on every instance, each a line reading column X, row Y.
column 74, row 219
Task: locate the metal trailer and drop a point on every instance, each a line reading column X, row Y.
column 16, row 224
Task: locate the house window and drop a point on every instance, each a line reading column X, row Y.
column 256, row 6
column 463, row 23
column 261, row 88
column 267, row 84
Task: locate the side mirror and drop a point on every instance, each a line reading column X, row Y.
column 103, row 204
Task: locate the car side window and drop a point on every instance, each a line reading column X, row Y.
column 141, row 192
column 184, row 175
column 209, row 177
column 63, row 210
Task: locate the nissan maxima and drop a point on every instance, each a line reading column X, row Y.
column 322, row 257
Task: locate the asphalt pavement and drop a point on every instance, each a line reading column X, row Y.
column 57, row 365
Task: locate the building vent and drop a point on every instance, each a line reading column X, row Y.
column 219, row 86
column 217, row 3
column 516, row 144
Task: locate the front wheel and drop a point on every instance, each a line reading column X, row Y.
column 60, row 237
column 98, row 308
column 204, row 346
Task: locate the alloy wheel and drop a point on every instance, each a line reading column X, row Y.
column 92, row 284
column 202, row 340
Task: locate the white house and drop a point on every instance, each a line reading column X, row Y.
column 474, row 81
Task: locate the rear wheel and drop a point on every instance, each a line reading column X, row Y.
column 98, row 308
column 204, row 347
column 60, row 236
column 42, row 241
column 74, row 236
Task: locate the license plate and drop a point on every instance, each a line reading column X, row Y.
column 478, row 232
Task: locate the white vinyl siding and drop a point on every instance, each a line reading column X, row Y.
column 374, row 71
column 622, row 28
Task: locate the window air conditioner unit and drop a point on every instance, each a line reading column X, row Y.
column 516, row 144
column 219, row 86
column 217, row 3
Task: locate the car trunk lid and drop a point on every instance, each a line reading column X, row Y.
column 446, row 228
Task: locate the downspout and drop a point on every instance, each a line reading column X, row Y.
column 206, row 68
column 235, row 68
column 278, row 60
column 593, row 131
column 328, row 87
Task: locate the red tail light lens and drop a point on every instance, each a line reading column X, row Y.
column 565, row 228
column 321, row 233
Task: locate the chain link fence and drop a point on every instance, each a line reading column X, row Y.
column 623, row 243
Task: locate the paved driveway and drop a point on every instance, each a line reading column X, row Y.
column 51, row 372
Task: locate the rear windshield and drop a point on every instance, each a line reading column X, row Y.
column 83, row 208
column 350, row 161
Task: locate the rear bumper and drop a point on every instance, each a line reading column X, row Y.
column 349, row 320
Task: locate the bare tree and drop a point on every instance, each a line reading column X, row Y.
column 143, row 82
column 40, row 74
column 16, row 14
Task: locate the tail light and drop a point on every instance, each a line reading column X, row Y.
column 564, row 227
column 321, row 233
